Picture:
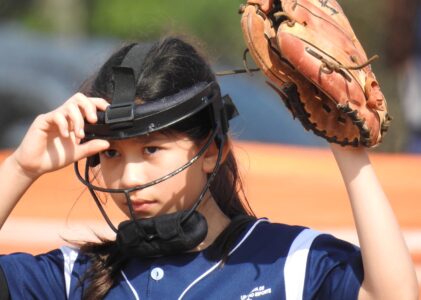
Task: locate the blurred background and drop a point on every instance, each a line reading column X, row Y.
column 48, row 47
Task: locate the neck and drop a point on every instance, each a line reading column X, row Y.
column 216, row 219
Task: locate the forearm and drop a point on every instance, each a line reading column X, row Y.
column 13, row 184
column 51, row 143
column 388, row 268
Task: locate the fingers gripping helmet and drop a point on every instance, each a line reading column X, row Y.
column 169, row 233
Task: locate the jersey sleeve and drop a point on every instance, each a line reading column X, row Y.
column 4, row 289
column 34, row 277
column 334, row 269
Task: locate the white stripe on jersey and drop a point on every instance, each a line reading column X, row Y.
column 69, row 255
column 218, row 263
column 130, row 286
column 296, row 264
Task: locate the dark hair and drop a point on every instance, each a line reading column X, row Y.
column 170, row 66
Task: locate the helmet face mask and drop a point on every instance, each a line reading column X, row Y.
column 125, row 119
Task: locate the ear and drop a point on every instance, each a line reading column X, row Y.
column 210, row 157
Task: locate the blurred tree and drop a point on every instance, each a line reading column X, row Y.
column 401, row 31
column 12, row 9
column 370, row 21
column 66, row 17
column 62, row 17
column 403, row 49
column 215, row 23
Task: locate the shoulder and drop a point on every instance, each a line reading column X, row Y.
column 46, row 275
column 271, row 242
column 334, row 267
column 17, row 261
column 298, row 242
column 314, row 265
column 295, row 238
column 269, row 235
column 56, row 259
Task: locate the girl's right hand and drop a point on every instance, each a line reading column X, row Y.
column 53, row 140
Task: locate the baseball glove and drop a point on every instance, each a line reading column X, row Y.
column 312, row 58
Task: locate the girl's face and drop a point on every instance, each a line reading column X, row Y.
column 132, row 162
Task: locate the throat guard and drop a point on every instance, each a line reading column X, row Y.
column 162, row 235
column 171, row 233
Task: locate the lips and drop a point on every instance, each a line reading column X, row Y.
column 142, row 205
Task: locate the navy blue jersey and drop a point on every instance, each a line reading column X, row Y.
column 269, row 261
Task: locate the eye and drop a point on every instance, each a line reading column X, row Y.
column 110, row 153
column 150, row 150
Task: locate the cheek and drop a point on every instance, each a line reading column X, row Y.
column 184, row 188
column 109, row 176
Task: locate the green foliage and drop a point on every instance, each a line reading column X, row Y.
column 214, row 22
column 35, row 20
column 368, row 19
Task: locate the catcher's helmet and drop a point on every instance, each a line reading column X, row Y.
column 124, row 119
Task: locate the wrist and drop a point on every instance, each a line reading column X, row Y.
column 15, row 167
column 350, row 160
column 348, row 151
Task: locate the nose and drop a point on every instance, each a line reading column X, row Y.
column 132, row 175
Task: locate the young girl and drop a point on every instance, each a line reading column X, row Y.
column 163, row 155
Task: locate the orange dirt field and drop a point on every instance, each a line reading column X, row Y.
column 287, row 184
